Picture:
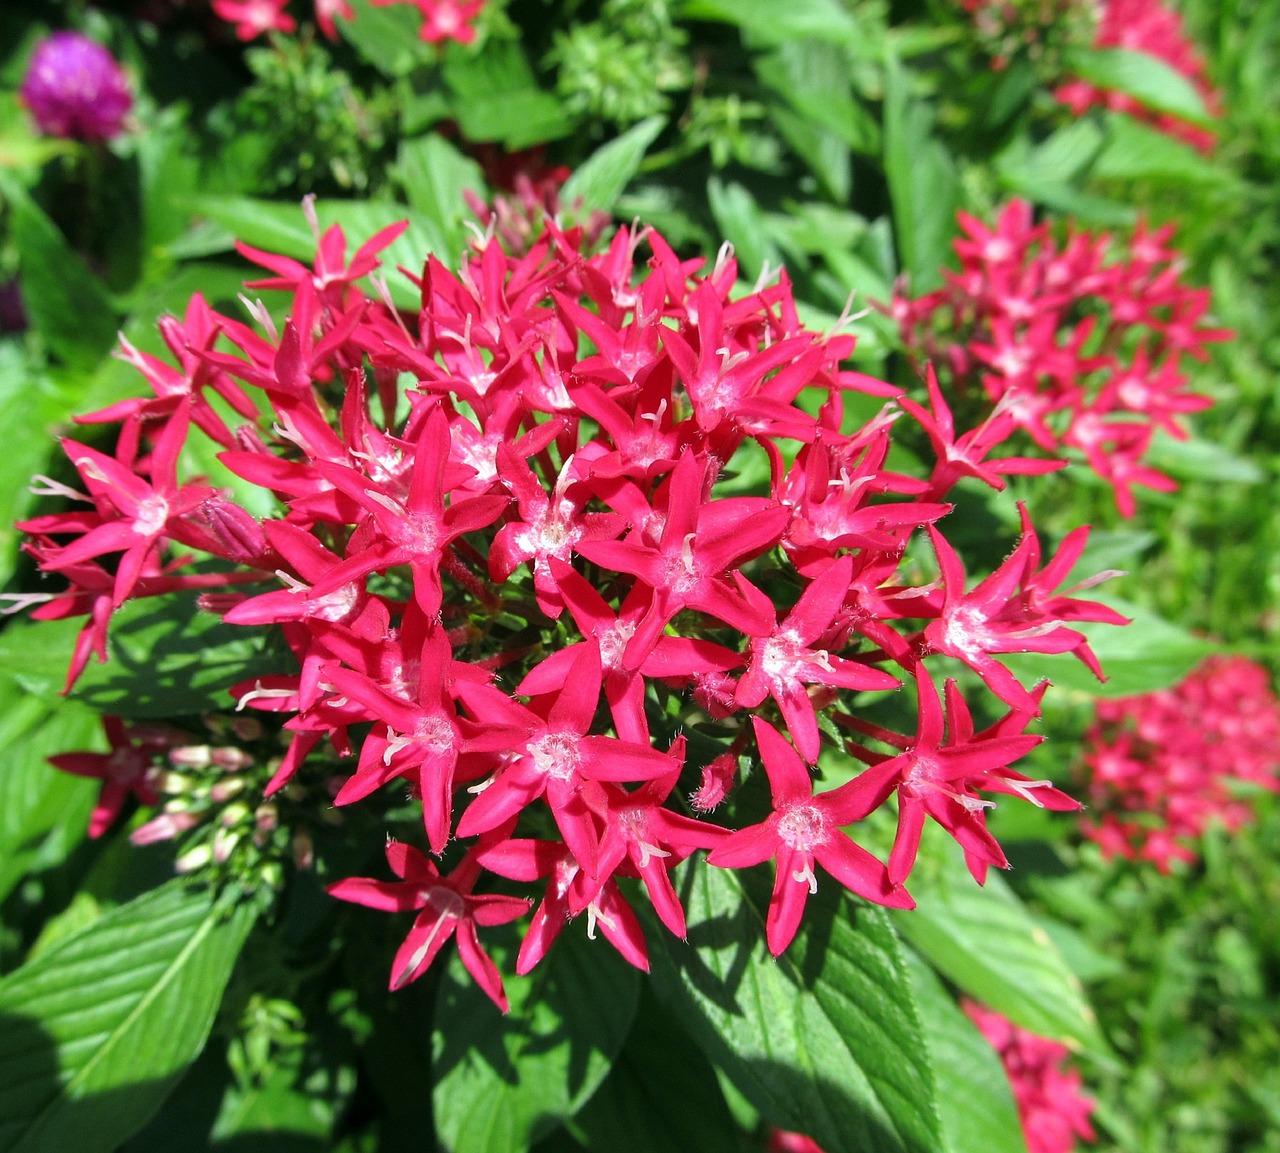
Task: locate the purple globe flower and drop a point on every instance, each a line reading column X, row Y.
column 75, row 89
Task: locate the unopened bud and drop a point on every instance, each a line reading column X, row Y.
column 247, row 729
column 227, row 788
column 234, row 814
column 224, row 843
column 194, row 859
column 266, row 818
column 231, row 759
column 165, row 827
column 303, row 849
column 190, row 756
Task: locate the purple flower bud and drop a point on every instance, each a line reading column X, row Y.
column 75, row 89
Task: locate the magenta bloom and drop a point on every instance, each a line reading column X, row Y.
column 1051, row 1106
column 75, row 89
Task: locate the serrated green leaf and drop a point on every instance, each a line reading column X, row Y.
column 1146, row 78
column 1143, row 656
column 434, row 175
column 923, row 184
column 99, row 1028
column 983, row 940
column 600, row 179
column 826, row 1039
column 503, row 1082
column 974, row 1098
column 167, row 659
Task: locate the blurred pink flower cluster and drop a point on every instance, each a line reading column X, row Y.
column 1149, row 27
column 441, row 19
column 1161, row 766
column 530, row 533
column 1051, row 1106
column 74, row 89
column 1079, row 345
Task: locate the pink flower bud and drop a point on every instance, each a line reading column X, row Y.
column 165, row 827
column 75, row 89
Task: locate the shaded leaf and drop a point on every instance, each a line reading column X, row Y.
column 66, row 303
column 642, row 1107
column 167, row 659
column 108, row 1019
column 502, row 1082
column 43, row 813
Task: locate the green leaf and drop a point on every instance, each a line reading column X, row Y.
column 600, row 179
column 434, row 175
column 983, row 940
column 67, row 304
column 28, row 405
column 43, row 812
column 387, row 37
column 826, row 1039
column 1146, row 78
column 99, row 1029
column 503, row 1082
column 641, row 1107
column 1195, row 459
column 281, row 228
column 1148, row 654
column 1136, row 151
column 498, row 98
column 740, row 220
column 974, row 1098
column 769, row 22
column 923, row 184
column 167, row 659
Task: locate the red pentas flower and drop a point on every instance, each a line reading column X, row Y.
column 448, row 908
column 1080, row 346
column 1053, row 1109
column 507, row 552
column 1162, row 766
column 130, row 769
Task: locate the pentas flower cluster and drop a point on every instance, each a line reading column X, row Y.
column 1147, row 26
column 523, row 575
column 441, row 19
column 1051, row 1106
column 1079, row 345
column 1162, row 766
